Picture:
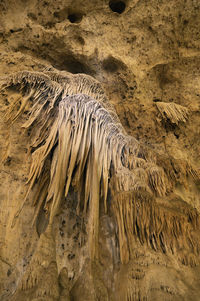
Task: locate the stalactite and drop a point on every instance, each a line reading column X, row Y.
column 163, row 228
column 172, row 111
column 75, row 128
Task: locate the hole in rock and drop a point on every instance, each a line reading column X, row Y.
column 32, row 16
column 156, row 100
column 73, row 65
column 56, row 14
column 111, row 64
column 80, row 40
column 176, row 135
column 75, row 18
column 117, row 6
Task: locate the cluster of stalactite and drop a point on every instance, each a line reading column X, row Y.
column 172, row 111
column 75, row 128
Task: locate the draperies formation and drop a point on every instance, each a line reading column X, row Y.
column 74, row 126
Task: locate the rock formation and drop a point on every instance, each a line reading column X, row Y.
column 100, row 169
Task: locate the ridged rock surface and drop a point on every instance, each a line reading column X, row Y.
column 143, row 53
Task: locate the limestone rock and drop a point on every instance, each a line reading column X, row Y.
column 142, row 59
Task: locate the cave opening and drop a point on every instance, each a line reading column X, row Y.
column 75, row 17
column 117, row 6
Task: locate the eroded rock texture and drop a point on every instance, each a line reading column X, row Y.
column 139, row 59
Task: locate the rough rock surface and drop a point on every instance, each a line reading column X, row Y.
column 143, row 53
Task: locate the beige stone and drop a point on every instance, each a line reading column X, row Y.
column 142, row 61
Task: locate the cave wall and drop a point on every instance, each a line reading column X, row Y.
column 142, row 53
